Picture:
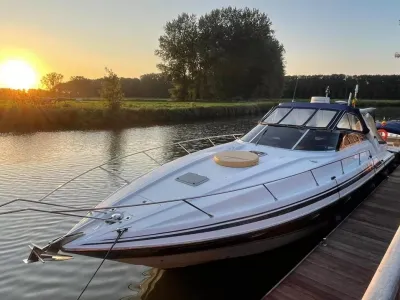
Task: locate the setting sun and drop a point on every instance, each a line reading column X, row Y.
column 17, row 74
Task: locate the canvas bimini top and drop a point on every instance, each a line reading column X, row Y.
column 317, row 115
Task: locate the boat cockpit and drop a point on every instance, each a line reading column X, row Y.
column 309, row 127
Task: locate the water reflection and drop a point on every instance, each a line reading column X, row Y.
column 116, row 143
column 240, row 278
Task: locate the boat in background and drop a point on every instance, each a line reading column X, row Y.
column 390, row 131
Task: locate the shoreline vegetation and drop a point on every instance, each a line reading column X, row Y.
column 91, row 114
column 96, row 115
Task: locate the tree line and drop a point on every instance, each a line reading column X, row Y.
column 157, row 86
column 375, row 87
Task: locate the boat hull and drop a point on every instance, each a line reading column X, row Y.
column 201, row 257
column 220, row 249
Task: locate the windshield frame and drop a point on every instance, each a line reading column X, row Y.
column 316, row 110
column 259, row 135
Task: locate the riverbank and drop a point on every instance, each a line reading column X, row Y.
column 94, row 115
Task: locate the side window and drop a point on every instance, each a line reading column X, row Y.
column 355, row 123
column 350, row 139
column 350, row 121
column 344, row 122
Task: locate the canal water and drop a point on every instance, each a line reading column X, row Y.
column 32, row 165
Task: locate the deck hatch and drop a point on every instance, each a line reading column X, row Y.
column 192, row 179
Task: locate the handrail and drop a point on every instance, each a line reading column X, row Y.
column 186, row 200
column 385, row 283
column 135, row 153
column 101, row 167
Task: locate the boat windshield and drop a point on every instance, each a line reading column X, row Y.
column 300, row 117
column 296, row 138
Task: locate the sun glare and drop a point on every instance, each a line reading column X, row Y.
column 17, row 74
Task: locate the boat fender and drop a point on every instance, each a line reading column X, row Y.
column 384, row 134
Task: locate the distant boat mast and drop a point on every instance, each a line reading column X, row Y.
column 295, row 87
column 397, row 54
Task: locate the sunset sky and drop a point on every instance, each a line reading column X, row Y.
column 81, row 37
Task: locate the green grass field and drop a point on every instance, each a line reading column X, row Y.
column 90, row 114
column 136, row 104
column 94, row 114
column 157, row 104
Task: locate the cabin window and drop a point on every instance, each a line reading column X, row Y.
column 350, row 121
column 355, row 123
column 344, row 122
column 322, row 118
column 276, row 115
column 350, row 139
column 319, row 140
column 297, row 116
column 280, row 137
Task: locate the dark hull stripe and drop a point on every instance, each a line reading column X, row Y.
column 253, row 218
column 309, row 221
column 378, row 164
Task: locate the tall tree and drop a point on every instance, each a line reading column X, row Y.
column 179, row 53
column 225, row 54
column 240, row 55
column 51, row 81
column 111, row 90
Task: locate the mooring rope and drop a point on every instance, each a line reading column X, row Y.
column 120, row 233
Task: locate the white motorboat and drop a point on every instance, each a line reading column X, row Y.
column 259, row 192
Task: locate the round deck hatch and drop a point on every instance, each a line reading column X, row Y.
column 236, row 159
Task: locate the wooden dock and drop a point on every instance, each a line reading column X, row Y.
column 343, row 265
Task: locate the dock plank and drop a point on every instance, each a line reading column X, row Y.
column 366, row 229
column 319, row 290
column 370, row 217
column 343, row 266
column 350, row 256
column 358, row 241
column 362, row 253
column 340, row 266
column 299, row 292
column 332, row 279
